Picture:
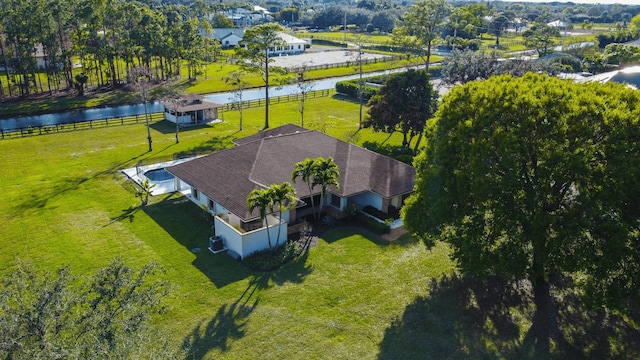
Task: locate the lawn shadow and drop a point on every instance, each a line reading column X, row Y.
column 467, row 318
column 230, row 320
column 342, row 97
column 345, row 227
column 127, row 214
column 167, row 127
column 227, row 325
column 188, row 225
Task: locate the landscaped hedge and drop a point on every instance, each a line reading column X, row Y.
column 352, row 87
column 268, row 260
column 375, row 212
column 400, row 153
column 372, row 224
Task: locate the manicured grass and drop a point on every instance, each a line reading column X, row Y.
column 340, row 36
column 64, row 202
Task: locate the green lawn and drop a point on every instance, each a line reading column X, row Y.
column 64, row 202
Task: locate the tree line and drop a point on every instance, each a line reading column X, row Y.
column 105, row 38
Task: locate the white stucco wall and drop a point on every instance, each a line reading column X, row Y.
column 182, row 119
column 367, row 198
column 244, row 244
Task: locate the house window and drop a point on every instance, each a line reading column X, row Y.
column 211, row 205
column 299, row 47
column 194, row 193
column 335, row 201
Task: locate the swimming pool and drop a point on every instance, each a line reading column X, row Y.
column 158, row 175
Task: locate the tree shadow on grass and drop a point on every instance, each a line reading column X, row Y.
column 467, row 318
column 230, row 320
column 127, row 214
column 227, row 325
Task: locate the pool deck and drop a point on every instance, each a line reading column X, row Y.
column 161, row 187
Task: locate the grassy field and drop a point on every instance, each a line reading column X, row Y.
column 66, row 203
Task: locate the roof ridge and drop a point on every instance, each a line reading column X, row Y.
column 253, row 164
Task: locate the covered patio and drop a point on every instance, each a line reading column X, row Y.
column 188, row 110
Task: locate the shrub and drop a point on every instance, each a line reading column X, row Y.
column 268, row 260
column 351, row 88
column 373, row 225
column 375, row 212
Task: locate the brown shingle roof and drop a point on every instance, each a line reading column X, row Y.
column 228, row 176
column 280, row 130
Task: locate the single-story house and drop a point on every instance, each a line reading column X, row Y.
column 293, row 45
column 223, row 180
column 191, row 110
column 228, row 37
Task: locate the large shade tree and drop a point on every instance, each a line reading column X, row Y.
column 58, row 315
column 419, row 27
column 258, row 41
column 541, row 37
column 536, row 177
column 404, row 103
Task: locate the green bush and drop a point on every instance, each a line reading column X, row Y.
column 373, row 225
column 268, row 260
column 351, row 89
column 400, row 153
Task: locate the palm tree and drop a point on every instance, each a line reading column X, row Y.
column 325, row 173
column 144, row 191
column 305, row 169
column 262, row 200
column 283, row 196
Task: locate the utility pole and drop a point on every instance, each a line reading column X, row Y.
column 176, row 100
column 361, row 85
column 146, row 117
column 345, row 26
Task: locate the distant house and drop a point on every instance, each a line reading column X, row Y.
column 562, row 25
column 223, row 180
column 228, row 37
column 293, row 45
column 191, row 110
column 242, row 17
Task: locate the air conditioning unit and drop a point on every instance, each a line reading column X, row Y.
column 215, row 244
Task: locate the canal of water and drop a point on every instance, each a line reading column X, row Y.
column 107, row 112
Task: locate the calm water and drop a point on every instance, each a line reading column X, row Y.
column 78, row 116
